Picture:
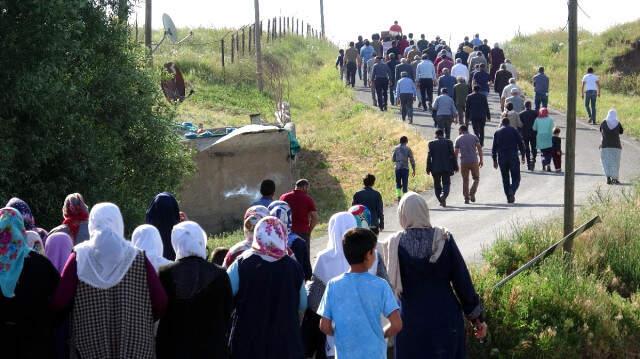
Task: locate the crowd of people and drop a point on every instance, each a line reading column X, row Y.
column 400, row 70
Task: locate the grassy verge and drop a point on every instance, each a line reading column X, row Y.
column 548, row 49
column 341, row 139
column 585, row 305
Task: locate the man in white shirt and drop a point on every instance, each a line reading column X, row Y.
column 511, row 68
column 460, row 70
column 506, row 92
column 425, row 74
column 590, row 91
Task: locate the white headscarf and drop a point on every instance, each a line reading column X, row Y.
column 612, row 119
column 106, row 257
column 331, row 261
column 188, row 239
column 147, row 238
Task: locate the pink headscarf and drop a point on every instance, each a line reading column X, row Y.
column 58, row 248
column 269, row 240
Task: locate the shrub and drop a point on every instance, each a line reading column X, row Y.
column 80, row 112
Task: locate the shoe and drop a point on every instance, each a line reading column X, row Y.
column 615, row 181
column 472, row 198
column 609, row 180
column 548, row 168
column 558, row 170
column 511, row 199
column 443, row 202
column 410, row 121
column 466, row 201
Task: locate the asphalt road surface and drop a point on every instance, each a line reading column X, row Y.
column 540, row 196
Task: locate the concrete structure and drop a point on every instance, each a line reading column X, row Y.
column 229, row 172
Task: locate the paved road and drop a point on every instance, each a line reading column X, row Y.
column 540, row 195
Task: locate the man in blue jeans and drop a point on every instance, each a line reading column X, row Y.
column 541, row 88
column 506, row 144
column 590, row 92
column 402, row 156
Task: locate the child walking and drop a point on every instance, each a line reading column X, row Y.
column 556, row 148
column 353, row 302
column 340, row 63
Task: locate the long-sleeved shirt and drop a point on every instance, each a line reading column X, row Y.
column 460, row 70
column 371, row 199
column 367, row 52
column 481, row 79
column 380, row 71
column 541, row 83
column 405, row 85
column 528, row 117
column 400, row 68
column 477, row 107
column 460, row 93
column 447, row 82
column 340, row 60
column 425, row 70
column 444, row 106
column 402, row 155
column 506, row 143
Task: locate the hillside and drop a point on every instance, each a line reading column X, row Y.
column 341, row 139
column 614, row 54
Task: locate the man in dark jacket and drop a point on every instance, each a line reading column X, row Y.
column 392, row 63
column 506, row 144
column 441, row 165
column 528, row 117
column 404, row 66
column 477, row 111
column 371, row 199
column 462, row 55
column 501, row 79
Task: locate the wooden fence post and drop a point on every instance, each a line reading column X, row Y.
column 232, row 49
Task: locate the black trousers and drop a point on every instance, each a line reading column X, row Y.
column 441, row 184
column 530, row 150
column 382, row 87
column 478, row 128
column 406, row 101
column 426, row 91
column 352, row 68
column 392, row 91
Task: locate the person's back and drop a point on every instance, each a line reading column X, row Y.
column 441, row 157
column 444, row 105
column 301, row 205
column 267, row 309
column 506, row 142
column 481, row 78
column 517, row 101
column 544, row 131
column 447, row 81
column 460, row 70
column 351, row 55
column 25, row 319
column 199, row 311
column 467, row 144
column 460, row 93
column 402, row 155
column 477, row 106
column 528, row 117
column 541, row 83
column 392, row 63
column 371, row 199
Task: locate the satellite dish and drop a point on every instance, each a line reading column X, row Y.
column 169, row 28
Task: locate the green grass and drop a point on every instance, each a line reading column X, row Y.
column 549, row 49
column 584, row 305
column 341, row 139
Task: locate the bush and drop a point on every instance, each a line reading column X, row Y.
column 80, row 112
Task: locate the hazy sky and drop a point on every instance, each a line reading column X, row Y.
column 497, row 20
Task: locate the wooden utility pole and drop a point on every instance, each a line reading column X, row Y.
column 572, row 90
column 322, row 18
column 257, row 31
column 147, row 25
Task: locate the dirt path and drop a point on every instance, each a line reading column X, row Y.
column 540, row 195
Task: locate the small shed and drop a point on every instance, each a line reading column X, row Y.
column 229, row 171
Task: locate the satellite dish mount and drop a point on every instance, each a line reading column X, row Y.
column 170, row 32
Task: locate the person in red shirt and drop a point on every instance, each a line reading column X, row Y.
column 395, row 29
column 303, row 210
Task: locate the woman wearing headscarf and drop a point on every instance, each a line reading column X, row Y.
column 543, row 125
column 75, row 214
column 330, row 264
column 270, row 296
column 251, row 217
column 200, row 301
column 164, row 213
column 27, row 284
column 108, row 281
column 295, row 243
column 147, row 239
column 429, row 275
column 58, row 249
column 34, row 242
column 611, row 147
column 27, row 216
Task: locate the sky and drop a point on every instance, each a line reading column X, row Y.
column 497, row 20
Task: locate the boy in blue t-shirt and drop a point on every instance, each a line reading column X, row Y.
column 353, row 302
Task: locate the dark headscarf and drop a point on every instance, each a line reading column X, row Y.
column 27, row 216
column 164, row 213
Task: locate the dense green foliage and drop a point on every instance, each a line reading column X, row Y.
column 611, row 53
column 80, row 112
column 585, row 305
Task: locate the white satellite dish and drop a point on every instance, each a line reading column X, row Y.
column 170, row 31
column 169, row 28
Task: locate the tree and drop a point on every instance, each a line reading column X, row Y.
column 80, row 112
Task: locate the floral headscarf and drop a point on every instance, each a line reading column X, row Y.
column 74, row 212
column 362, row 215
column 283, row 213
column 251, row 217
column 25, row 211
column 13, row 249
column 269, row 240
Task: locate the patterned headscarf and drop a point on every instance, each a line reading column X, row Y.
column 25, row 211
column 362, row 215
column 251, row 217
column 283, row 213
column 13, row 249
column 269, row 240
column 35, row 242
column 74, row 212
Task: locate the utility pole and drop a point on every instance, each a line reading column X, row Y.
column 572, row 89
column 147, row 25
column 258, row 34
column 322, row 17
